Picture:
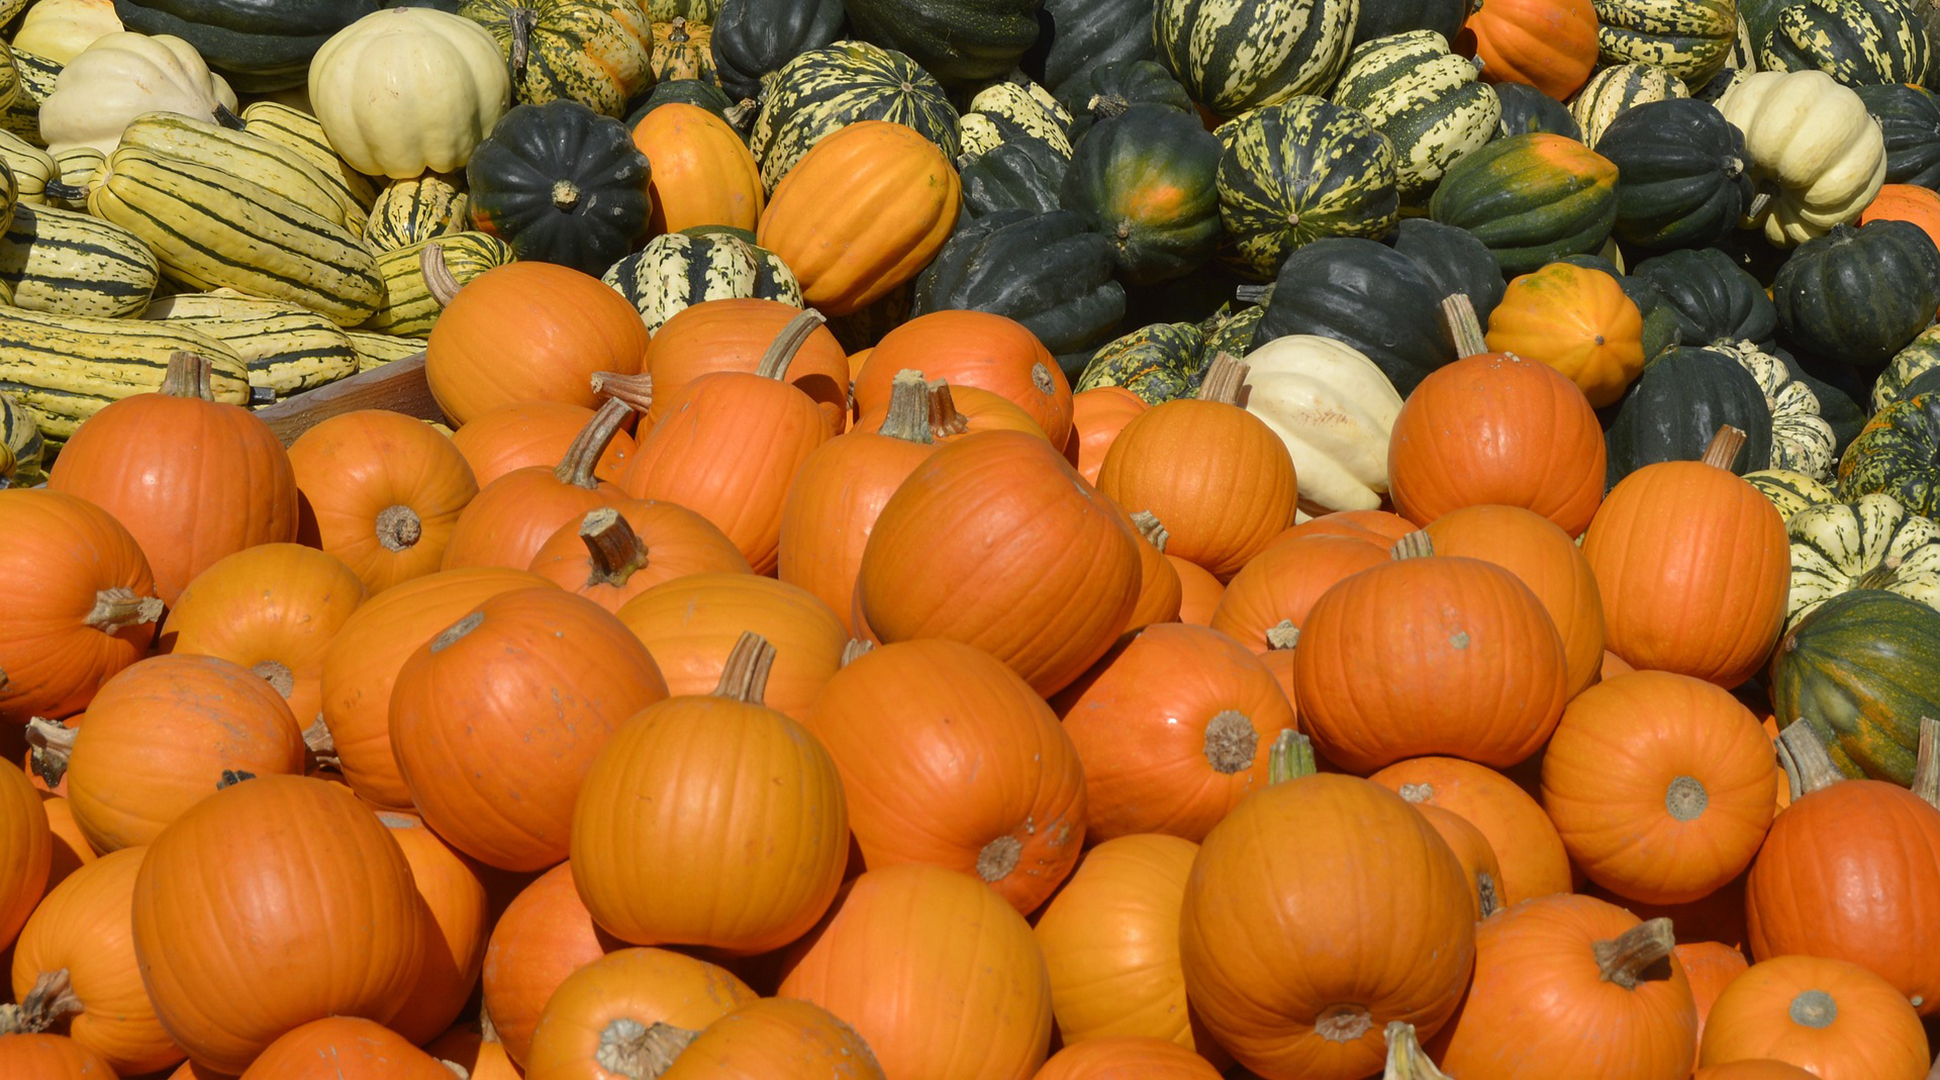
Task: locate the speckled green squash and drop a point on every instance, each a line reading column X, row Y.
column 595, row 52
column 1614, row 91
column 1425, row 99
column 1159, row 363
column 1016, row 111
column 410, row 211
column 1293, row 173
column 1790, row 492
column 1229, row 331
column 1870, row 543
column 826, row 89
column 1920, row 356
column 1898, row 454
column 1691, row 39
column 1236, row 55
column 1532, row 199
column 678, row 270
column 1860, row 671
column 1857, row 42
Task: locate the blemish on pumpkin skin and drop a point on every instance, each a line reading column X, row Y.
column 1459, row 639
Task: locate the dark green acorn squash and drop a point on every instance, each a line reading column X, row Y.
column 827, row 89
column 1898, row 454
column 561, row 184
column 958, row 41
column 1159, row 363
column 1047, row 271
column 1385, row 18
column 1660, row 331
column 1021, row 175
column 1860, row 669
column 1146, row 178
column 1526, row 110
column 1532, row 199
column 1857, row 295
column 1857, row 42
column 1453, row 261
column 696, row 92
column 258, row 45
column 1712, row 297
column 1074, row 36
column 1237, row 55
column 1110, row 89
column 1291, row 174
column 1909, row 117
column 1194, row 298
column 1681, row 176
column 754, row 38
column 1674, row 408
column 1368, row 295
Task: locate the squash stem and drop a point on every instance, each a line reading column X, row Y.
column 1723, row 447
column 615, row 551
column 745, row 678
column 576, row 468
column 909, row 409
column 1464, row 326
column 522, row 19
column 229, row 119
column 398, row 528
column 1808, row 767
column 52, row 744
column 50, row 1001
column 640, row 1052
column 1926, row 767
column 1290, row 757
column 189, row 375
column 635, row 390
column 1148, row 525
column 321, row 744
column 1624, row 958
column 1415, row 545
column 438, row 279
column 1225, row 380
column 945, row 420
column 1282, row 635
column 781, row 352
column 855, row 650
column 119, row 608
column 1406, row 1061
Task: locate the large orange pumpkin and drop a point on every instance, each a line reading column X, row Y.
column 1097, row 416
column 244, row 904
column 702, row 171
column 860, row 213
column 211, row 478
column 1126, row 1057
column 1836, row 1020
column 1534, row 862
column 382, row 492
column 1278, row 587
column 1717, row 918
column 456, row 922
column 1160, row 590
column 71, row 850
column 616, row 552
column 532, row 433
column 978, row 349
column 1548, row 44
column 51, row 1057
column 1577, row 320
column 508, row 521
column 733, row 334
column 544, row 935
column 776, row 1037
column 26, row 850
column 617, row 1008
column 344, row 1048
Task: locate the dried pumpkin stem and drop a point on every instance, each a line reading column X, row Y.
column 522, row 19
column 640, row 1051
column 781, row 351
column 438, row 279
column 945, row 420
column 1463, row 325
column 1225, row 380
column 1759, row 202
column 1231, row 742
column 1624, row 958
column 399, row 528
column 1808, row 767
column 1282, row 635
column 1723, row 448
column 855, row 650
column 1290, row 757
column 909, row 409
column 278, row 675
column 50, row 1001
column 52, row 744
column 635, row 390
column 1406, row 1061
column 456, row 1069
column 1106, row 106
column 189, row 375
column 576, row 468
column 119, row 608
column 745, row 678
column 321, row 744
column 614, row 549
column 1488, row 893
column 1151, row 529
column 1926, row 767
column 999, row 857
column 1415, row 545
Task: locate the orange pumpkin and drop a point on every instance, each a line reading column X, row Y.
column 996, row 542
column 1497, row 429
column 494, row 752
column 1474, row 852
column 456, row 922
column 616, row 552
column 508, row 521
column 733, row 334
column 1199, row 591
column 1835, row 1020
column 702, row 171
column 1097, row 416
column 1752, row 1069
column 211, row 478
column 618, row 1008
column 1126, row 1057
column 1278, row 587
column 71, row 850
column 934, row 970
column 1548, row 44
column 544, row 935
column 1549, row 971
column 973, row 349
column 380, row 491
column 1694, row 565
column 344, row 1048
column 360, row 670
column 529, row 331
column 514, row 436
column 1533, row 860
column 1577, row 320
column 1718, row 918
column 860, row 213
column 1160, row 591
column 1003, row 798
column 26, row 850
column 1710, row 966
column 1906, row 202
column 51, row 1057
column 244, row 903
column 477, row 1052
column 1660, row 786
column 776, row 1037
column 273, row 609
column 1384, row 527
column 957, row 411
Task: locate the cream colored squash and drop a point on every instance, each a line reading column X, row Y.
column 1870, row 543
column 60, row 29
column 405, row 90
column 1334, row 410
column 121, row 76
column 1814, row 149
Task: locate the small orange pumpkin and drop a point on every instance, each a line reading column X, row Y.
column 1906, row 202
column 973, row 348
column 1097, row 416
column 618, row 1007
column 1200, row 593
column 514, row 436
column 26, row 850
column 702, row 171
column 1474, row 852
column 1710, row 966
column 616, row 552
column 1277, row 588
column 776, row 1037
column 344, row 1048
column 1578, row 321
column 51, row 1057
column 1834, row 1019
column 508, row 521
column 733, row 334
column 456, row 922
column 1534, row 862
column 1548, row 44
column 544, row 935
column 1126, row 1057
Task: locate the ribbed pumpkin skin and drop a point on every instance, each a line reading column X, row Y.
column 1855, row 41
column 1856, row 670
column 84, row 927
column 344, row 1048
column 1909, row 118
column 1282, row 583
column 1126, row 1057
column 974, row 349
column 1546, row 45
column 456, row 922
column 732, row 335
column 1752, row 1069
column 52, row 1057
column 777, row 1037
column 861, row 213
column 1710, row 966
column 825, row 90
column 675, row 541
column 1097, row 416
column 228, row 976
column 1534, row 862
column 26, row 849
column 509, row 521
column 994, row 541
column 1531, row 198
column 532, row 433
column 544, row 935
column 1576, row 320
column 933, row 969
column 643, row 986
column 1235, row 58
column 690, row 625
column 1831, row 1018
column 702, row 172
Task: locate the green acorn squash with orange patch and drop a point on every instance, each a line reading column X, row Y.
column 1532, row 199
column 1859, row 669
column 1146, row 177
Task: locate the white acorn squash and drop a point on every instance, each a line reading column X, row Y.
column 1335, row 411
column 1870, row 543
column 1814, row 149
column 1802, row 441
column 1790, row 491
column 124, row 75
column 61, row 29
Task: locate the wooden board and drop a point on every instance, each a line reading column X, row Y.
column 398, row 386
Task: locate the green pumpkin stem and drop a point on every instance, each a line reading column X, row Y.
column 52, row 744
column 189, row 375
column 1926, row 767
column 1290, row 757
column 1415, row 545
column 1282, row 635
column 613, row 549
column 855, row 650
column 1151, row 529
column 1225, row 380
column 1406, row 1060
column 745, row 678
column 1723, row 448
column 1463, row 325
column 635, row 390
column 945, row 420
column 1624, row 959
column 1808, row 767
column 576, row 468
column 119, row 608
column 909, row 409
column 50, row 1001
column 438, row 279
column 781, row 351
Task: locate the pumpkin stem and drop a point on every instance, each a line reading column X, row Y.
column 1808, row 766
column 1405, row 1058
column 1723, row 448
column 1225, row 380
column 119, row 608
column 855, row 650
column 635, row 390
column 522, row 21
column 1488, row 893
column 745, row 678
column 1415, row 545
column 1282, row 635
column 1759, row 202
column 1464, row 327
column 278, row 675
column 614, row 549
column 438, row 279
column 1926, row 767
column 457, row 1070
column 1624, row 958
column 321, row 744
column 50, row 1001
column 1253, row 294
column 945, row 420
column 909, row 409
column 399, row 528
column 576, row 468
column 1231, row 742
column 189, row 376
column 1290, row 757
column 53, row 744
column 229, row 119
column 781, row 351
column 998, row 858
column 229, row 778
column 1151, row 529
column 640, row 1051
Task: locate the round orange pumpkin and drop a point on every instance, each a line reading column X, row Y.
column 616, row 1009
column 975, row 349
column 1278, row 587
column 508, row 521
column 702, row 171
column 776, row 1037
column 1126, row 1057
column 510, row 437
column 616, row 552
column 960, row 410
column 51, row 1057
column 456, row 922
column 71, row 850
column 1199, row 591
column 26, row 850
column 478, row 1052
column 344, row 1048
column 733, row 334
column 1548, row 44
column 1577, row 320
column 1710, row 966
column 544, row 935
column 1160, row 590
column 1906, row 202
column 1534, row 862
column 1834, row 1019
column 1097, row 416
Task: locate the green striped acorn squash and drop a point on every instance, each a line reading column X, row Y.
column 1236, row 55
column 1159, row 363
column 1674, row 408
column 1920, row 356
column 754, row 38
column 1386, row 18
column 958, row 41
column 1022, row 175
column 257, row 45
column 595, row 52
column 1869, row 543
column 1855, row 41
column 1860, row 671
column 678, row 270
column 1721, row 83
column 1856, row 296
column 1050, row 272
column 1909, row 118
column 1295, row 172
column 1075, row 36
column 1691, row 39
column 1020, row 105
column 1110, row 89
column 1802, row 440
column 21, row 446
column 1614, row 91
column 561, row 184
column 1526, row 109
column 1660, row 329
column 1367, row 295
column 829, row 88
column 1424, row 98
column 1898, row 454
column 408, row 211
column 1145, row 178
column 1531, row 198
column 1712, row 297
column 1790, row 492
column 1454, row 261
column 1682, row 175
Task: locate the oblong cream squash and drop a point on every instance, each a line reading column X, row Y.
column 121, row 76
column 1335, row 411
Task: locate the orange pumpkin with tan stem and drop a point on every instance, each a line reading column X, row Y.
column 456, row 922
column 533, row 433
column 616, row 552
column 702, row 171
column 544, row 935
column 380, row 491
column 1534, row 862
column 1474, row 852
column 1126, row 1057
column 494, row 752
column 51, row 1057
column 733, row 335
column 1577, row 320
column 1548, row 44
column 776, row 1037
column 228, row 977
column 1003, row 798
column 476, row 1049
column 273, row 609
column 1278, row 587
column 1694, row 565
column 1836, row 1020
column 508, row 521
column 862, row 212
column 1160, row 588
column 1097, row 416
column 973, row 348
column 617, row 1008
column 959, row 411
column 344, row 1048
column 26, row 850
column 81, row 603
column 211, row 479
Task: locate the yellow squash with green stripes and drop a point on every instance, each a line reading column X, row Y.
column 67, row 367
column 33, row 78
column 32, row 167
column 285, row 347
column 247, row 156
column 21, row 446
column 303, row 133
column 409, row 308
column 376, row 350
column 411, row 211
column 68, row 263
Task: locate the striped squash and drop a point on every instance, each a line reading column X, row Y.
column 68, row 367
column 76, row 169
column 303, row 133
column 701, row 11
column 1919, row 356
column 412, row 211
column 683, row 50
column 1616, row 90
column 34, row 77
column 1532, row 199
column 1237, row 55
column 1292, row 173
column 1860, row 671
column 1691, row 39
column 1802, row 441
column 1869, row 543
column 21, row 446
column 1790, row 492
column 213, row 231
column 1159, row 363
column 409, row 309
column 32, row 167
column 678, row 270
column 595, row 52
column 247, row 156
column 1006, row 111
column 9, row 77
column 285, row 347
column 1425, row 99
column 1857, row 42
column 826, row 89
column 67, row 263
column 376, row 350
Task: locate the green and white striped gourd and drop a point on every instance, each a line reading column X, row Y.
column 1424, row 98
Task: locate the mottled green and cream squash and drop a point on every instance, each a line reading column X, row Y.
column 1802, row 441
column 1857, row 42
column 1616, row 90
column 596, row 52
column 1424, row 98
column 1023, row 106
column 1860, row 669
column 826, row 89
column 1870, row 543
column 1292, row 173
column 1229, row 331
column 678, row 270
column 21, row 446
column 1159, row 363
column 411, row 211
column 1789, row 491
column 1920, row 356
column 1237, row 55
column 1898, row 454
column 1691, row 39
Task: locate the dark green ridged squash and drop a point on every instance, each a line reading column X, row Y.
column 1712, row 297
column 958, row 41
column 1368, row 295
column 826, row 89
column 1146, row 178
column 754, row 38
column 1294, row 173
column 1426, row 100
column 1453, row 261
column 1074, row 36
column 1682, row 180
column 1021, row 175
column 1909, row 118
column 1674, row 408
column 1857, row 42
column 1385, row 18
column 1691, row 39
column 1898, row 454
column 1837, row 406
column 1532, row 199
column 1526, row 109
column 1110, row 89
column 561, row 184
column 1856, row 296
column 1237, row 55
column 1660, row 329
column 696, row 92
column 1159, row 363
column 1860, row 670
column 258, row 45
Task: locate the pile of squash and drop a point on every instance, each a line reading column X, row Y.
column 970, row 540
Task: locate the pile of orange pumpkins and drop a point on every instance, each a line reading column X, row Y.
column 719, row 704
